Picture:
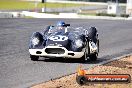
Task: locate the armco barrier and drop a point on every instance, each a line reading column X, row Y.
column 44, row 15
column 11, row 15
column 39, row 15
column 6, row 15
column 61, row 15
column 69, row 15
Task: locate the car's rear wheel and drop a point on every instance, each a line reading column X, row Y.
column 34, row 58
column 98, row 45
column 93, row 57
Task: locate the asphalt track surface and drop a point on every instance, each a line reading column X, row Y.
column 18, row 71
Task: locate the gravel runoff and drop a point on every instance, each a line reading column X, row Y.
column 121, row 66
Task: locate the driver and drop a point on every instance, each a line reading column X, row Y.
column 61, row 25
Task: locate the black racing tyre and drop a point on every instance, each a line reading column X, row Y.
column 34, row 58
column 81, row 80
column 93, row 57
column 98, row 45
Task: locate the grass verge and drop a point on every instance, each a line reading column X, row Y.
column 26, row 5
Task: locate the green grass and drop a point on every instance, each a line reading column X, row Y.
column 17, row 5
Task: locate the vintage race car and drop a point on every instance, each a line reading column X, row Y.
column 68, row 42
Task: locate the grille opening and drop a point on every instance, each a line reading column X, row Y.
column 54, row 51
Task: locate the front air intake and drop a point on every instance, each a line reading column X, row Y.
column 54, row 51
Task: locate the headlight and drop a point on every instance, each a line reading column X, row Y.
column 35, row 41
column 79, row 43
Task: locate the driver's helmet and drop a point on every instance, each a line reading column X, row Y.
column 60, row 24
column 51, row 27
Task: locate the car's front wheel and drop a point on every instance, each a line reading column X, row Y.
column 34, row 58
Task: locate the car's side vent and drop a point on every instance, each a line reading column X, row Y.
column 72, row 54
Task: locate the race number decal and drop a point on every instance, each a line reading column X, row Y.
column 58, row 38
